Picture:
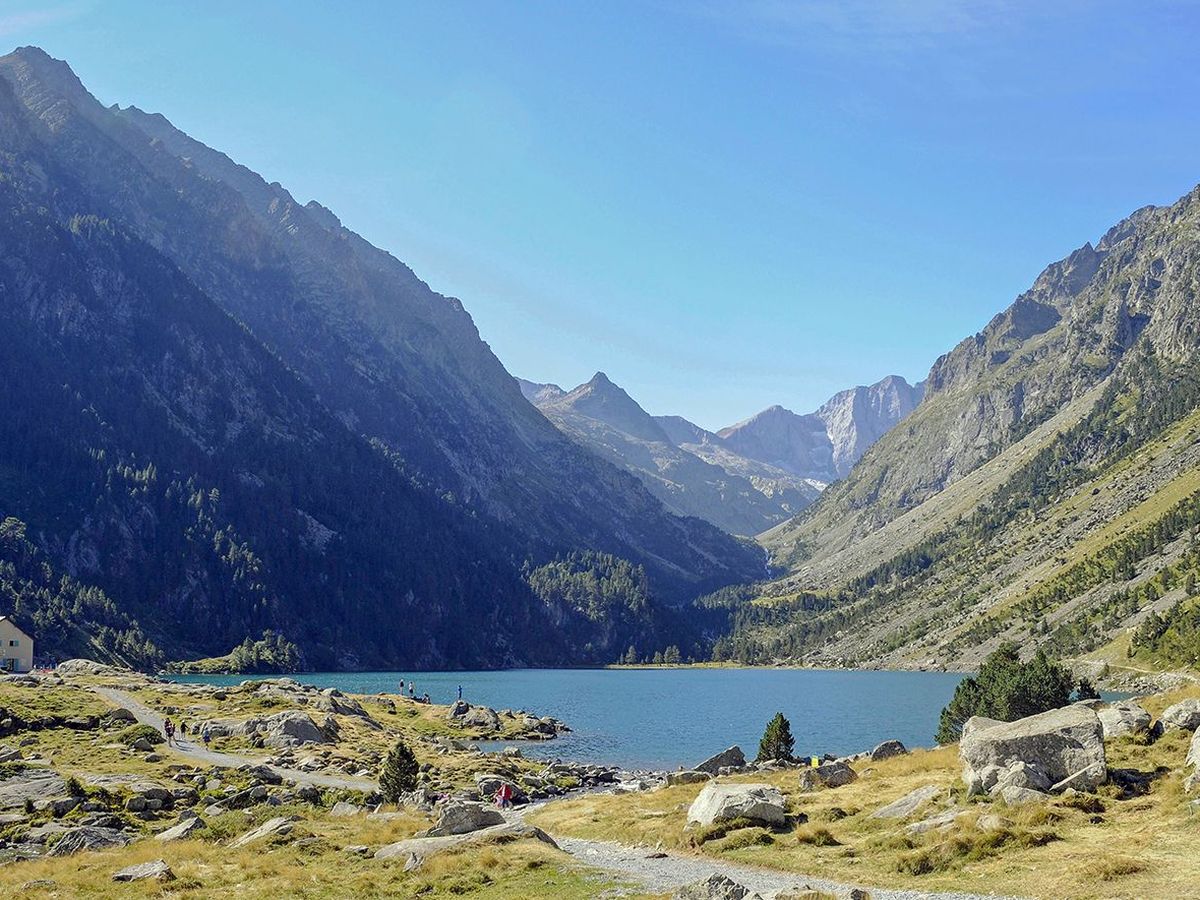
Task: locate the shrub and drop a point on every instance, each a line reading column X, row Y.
column 777, row 741
column 131, row 734
column 399, row 773
column 1006, row 689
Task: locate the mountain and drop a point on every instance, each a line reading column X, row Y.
column 252, row 418
column 1044, row 491
column 602, row 417
column 857, row 418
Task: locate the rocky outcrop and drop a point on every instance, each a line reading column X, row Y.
column 1184, row 715
column 714, row 887
column 1041, row 752
column 279, row 826
column 887, row 750
column 415, row 851
column 181, row 830
column 88, row 838
column 1123, row 717
column 462, row 817
column 726, row 802
column 731, row 758
column 909, row 803
column 829, row 774
column 155, row 870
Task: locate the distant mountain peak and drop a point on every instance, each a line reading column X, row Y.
column 607, row 402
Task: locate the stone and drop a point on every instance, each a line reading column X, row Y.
column 155, row 870
column 731, row 758
column 88, row 838
column 1184, row 715
column 181, row 830
column 726, row 802
column 1123, row 717
column 276, row 827
column 482, row 717
column 416, row 850
column 344, row 809
column 714, row 887
column 1059, row 744
column 687, row 777
column 909, row 803
column 1014, row 795
column 291, row 729
column 489, row 782
column 888, row 749
column 9, row 754
column 1023, row 775
column 1193, row 754
column 458, row 709
column 459, row 817
column 265, row 774
column 939, row 822
column 31, row 786
column 120, row 714
column 830, row 774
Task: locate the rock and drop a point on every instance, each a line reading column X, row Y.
column 908, row 804
column 726, row 802
column 888, row 749
column 416, row 850
column 265, row 774
column 9, row 754
column 940, row 822
column 482, row 717
column 687, row 777
column 1014, row 795
column 1059, row 744
column 276, row 827
column 343, row 809
column 714, row 887
column 464, row 817
column 88, row 838
column 1123, row 717
column 156, row 870
column 1184, row 715
column 87, row 667
column 1022, row 775
column 291, row 729
column 182, row 829
column 733, row 757
column 31, row 786
column 118, row 715
column 1193, row 754
column 458, row 709
column 831, row 774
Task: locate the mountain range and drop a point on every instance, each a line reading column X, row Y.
column 230, row 413
column 744, row 478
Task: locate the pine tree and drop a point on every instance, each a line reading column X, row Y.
column 399, row 773
column 777, row 741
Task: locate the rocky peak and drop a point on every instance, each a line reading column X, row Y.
column 855, row 419
column 779, row 437
column 606, row 402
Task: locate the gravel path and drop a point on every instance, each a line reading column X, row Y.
column 670, row 871
column 199, row 752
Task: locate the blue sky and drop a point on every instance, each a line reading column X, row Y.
column 722, row 205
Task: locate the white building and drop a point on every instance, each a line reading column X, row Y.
column 16, row 647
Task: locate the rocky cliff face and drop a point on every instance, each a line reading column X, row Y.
column 679, row 463
column 246, row 343
column 857, row 418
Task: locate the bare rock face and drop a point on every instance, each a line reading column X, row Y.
column 1185, row 715
column 726, row 758
column 1060, row 745
column 414, row 851
column 726, row 802
column 1123, row 717
column 88, row 838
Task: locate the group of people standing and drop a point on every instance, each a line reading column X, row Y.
column 412, row 692
column 169, row 731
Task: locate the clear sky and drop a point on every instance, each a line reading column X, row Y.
column 722, row 205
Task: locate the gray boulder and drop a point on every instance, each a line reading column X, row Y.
column 1184, row 715
column 291, row 729
column 1193, row 754
column 276, row 827
column 464, row 817
column 482, row 717
column 488, row 783
column 156, row 870
column 731, row 758
column 726, row 802
column 908, row 804
column 888, row 749
column 181, row 830
column 1123, row 717
column 831, row 775
column 1059, row 744
column 414, row 851
column 32, row 786
column 88, row 838
column 714, row 887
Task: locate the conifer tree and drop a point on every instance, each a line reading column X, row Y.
column 399, row 773
column 777, row 741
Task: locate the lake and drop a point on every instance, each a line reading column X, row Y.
column 664, row 718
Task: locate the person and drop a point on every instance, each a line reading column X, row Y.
column 206, row 736
column 402, row 687
column 412, row 691
column 169, row 731
column 504, row 796
column 183, row 726
column 460, row 692
column 425, row 698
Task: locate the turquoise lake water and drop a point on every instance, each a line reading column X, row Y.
column 664, row 718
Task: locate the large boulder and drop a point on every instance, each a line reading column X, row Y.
column 1060, row 745
column 1184, row 715
column 482, row 717
column 714, row 887
column 32, row 786
column 291, row 729
column 155, row 870
column 276, row 827
column 88, row 838
column 831, row 775
column 488, row 783
column 726, row 802
column 463, row 818
column 888, row 749
column 181, row 830
column 687, row 777
column 414, row 851
column 909, row 803
column 731, row 758
column 1193, row 754
column 1123, row 717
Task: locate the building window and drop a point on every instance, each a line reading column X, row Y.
column 13, row 643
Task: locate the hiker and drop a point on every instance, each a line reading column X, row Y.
column 206, row 736
column 504, row 796
column 401, row 687
column 412, row 691
column 169, row 731
column 460, row 692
